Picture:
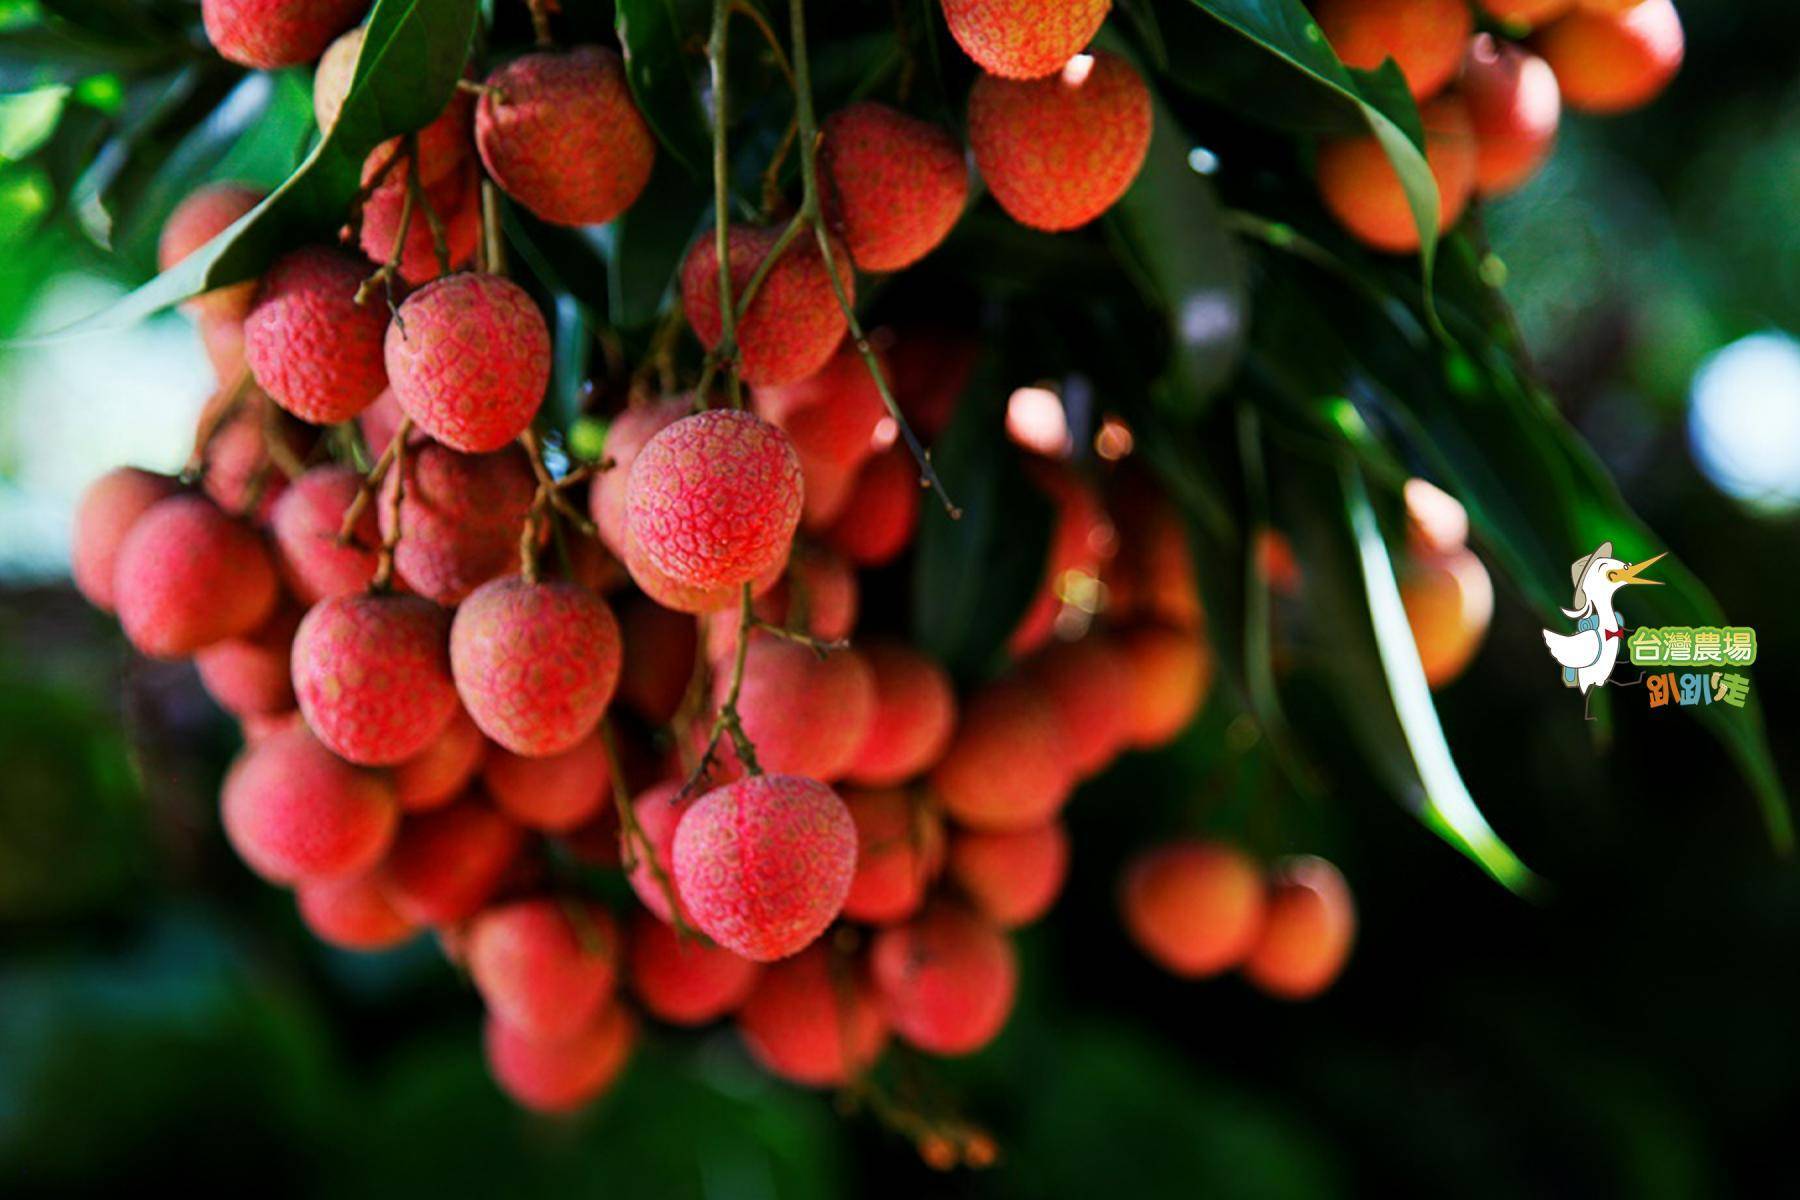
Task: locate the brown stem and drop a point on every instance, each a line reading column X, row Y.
column 637, row 842
column 540, row 22
column 534, row 450
column 220, row 407
column 493, row 244
column 365, row 491
column 385, row 273
column 384, row 566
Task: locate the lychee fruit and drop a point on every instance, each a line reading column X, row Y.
column 658, row 811
column 658, row 663
column 763, row 864
column 1362, row 190
column 460, row 517
column 545, row 966
column 446, row 143
column 437, row 774
column 455, row 200
column 1011, row 878
column 832, row 414
column 1059, row 151
column 1152, row 573
column 1526, row 12
column 1436, row 522
column 304, row 523
column 468, row 358
column 881, row 512
column 900, row 848
column 806, row 715
column 686, row 598
column 1007, row 767
column 266, row 34
column 560, row 134
column 1425, row 38
column 310, row 345
column 222, row 338
column 1023, row 39
column 1514, row 107
column 1197, row 908
column 1307, row 934
column 562, row 1075
column 714, row 499
column 913, row 719
column 685, row 981
column 629, row 432
column 557, row 793
column 372, row 674
column 446, row 863
column 794, row 321
column 946, row 981
column 352, row 913
column 813, row 1020
column 240, row 474
column 250, row 675
column 108, row 509
column 1171, row 674
column 187, row 575
column 1449, row 603
column 893, row 185
column 1089, row 684
column 535, row 662
column 294, row 811
column 204, row 214
column 1612, row 62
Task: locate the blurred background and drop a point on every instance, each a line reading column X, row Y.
column 164, row 1015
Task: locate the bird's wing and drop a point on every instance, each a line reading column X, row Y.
column 1577, row 650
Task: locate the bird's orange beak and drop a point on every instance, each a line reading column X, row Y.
column 1631, row 574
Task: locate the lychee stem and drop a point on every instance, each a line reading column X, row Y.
column 493, row 244
column 221, row 406
column 540, row 22
column 384, row 566
column 534, row 450
column 276, row 446
column 717, row 46
column 365, row 491
column 637, row 842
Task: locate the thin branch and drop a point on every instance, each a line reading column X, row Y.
column 637, row 842
column 717, row 47
column 384, row 565
column 371, row 482
column 220, row 407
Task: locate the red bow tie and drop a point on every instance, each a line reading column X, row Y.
column 1612, row 633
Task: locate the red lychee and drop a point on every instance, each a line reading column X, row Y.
column 900, row 847
column 557, row 793
column 266, row 34
column 817, row 595
column 832, row 414
column 914, row 716
column 1307, row 934
column 629, row 432
column 1023, row 39
column 893, row 185
column 545, row 966
column 1007, row 768
column 813, row 1020
column 108, row 509
column 1089, row 684
column 946, row 980
column 1514, row 107
column 352, row 913
column 881, row 513
column 535, row 663
column 794, row 321
column 204, row 214
column 1013, row 878
column 294, row 811
column 658, row 663
column 1425, row 38
column 562, row 1075
column 658, row 811
column 685, row 981
column 685, row 598
column 1196, row 908
column 1171, row 674
column 372, row 674
column 311, row 346
column 1611, row 62
column 240, row 474
column 186, row 576
column 560, row 134
column 437, row 774
column 763, row 864
column 446, row 863
column 460, row 517
column 305, row 521
column 1057, row 152
column 805, row 715
column 1362, row 190
column 714, row 499
column 456, row 201
column 250, row 675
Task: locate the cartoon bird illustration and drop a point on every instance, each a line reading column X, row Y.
column 1589, row 654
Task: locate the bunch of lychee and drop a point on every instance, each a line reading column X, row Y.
column 1490, row 104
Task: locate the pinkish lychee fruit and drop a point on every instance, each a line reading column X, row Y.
column 187, row 576
column 831, row 415
column 460, row 517
column 1196, row 908
column 545, row 966
column 557, row 793
column 250, row 675
column 683, row 597
column 1007, row 767
column 893, row 185
column 372, row 674
column 108, row 509
column 630, row 431
column 915, row 714
column 437, row 774
column 310, row 345
column 685, row 981
column 946, row 981
column 1305, row 938
column 456, row 201
column 305, row 521
column 794, row 321
column 763, row 864
column 817, row 595
column 352, row 913
column 1057, row 152
column 714, row 499
column 560, row 134
column 900, row 848
column 881, row 513
column 204, row 214
column 1012, row 878
column 562, row 1075
column 240, row 473
column 658, row 811
column 294, row 811
column 266, row 34
column 447, row 863
column 1023, row 39
column 813, row 1020
column 805, row 715
column 535, row 663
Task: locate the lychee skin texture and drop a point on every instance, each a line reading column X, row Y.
column 305, row 522
column 1361, row 189
column 1171, row 674
column 187, row 576
column 1514, row 108
column 557, row 793
column 685, row 981
column 1614, row 62
column 311, row 347
column 628, row 435
column 894, row 185
column 1023, row 39
column 1425, row 38
column 947, row 980
column 203, row 215
column 468, row 358
column 658, row 811
column 445, row 864
column 294, row 811
column 560, row 134
column 1307, row 935
column 813, row 1020
column 435, row 775
column 881, row 514
column 714, row 499
column 250, row 675
column 1089, row 684
column 266, row 34
column 108, row 509
column 806, row 715
column 1012, row 878
column 900, row 848
column 1196, row 908
column 543, row 966
column 794, row 321
column 1058, row 152
column 352, row 913
column 562, row 1075
column 372, row 674
column 1007, row 768
column 535, row 663
column 914, row 717
column 763, row 864
column 682, row 597
column 460, row 516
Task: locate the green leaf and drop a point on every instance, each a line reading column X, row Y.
column 412, row 55
column 27, row 119
column 653, row 33
column 645, row 245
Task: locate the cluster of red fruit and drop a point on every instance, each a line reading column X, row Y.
column 1490, row 105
